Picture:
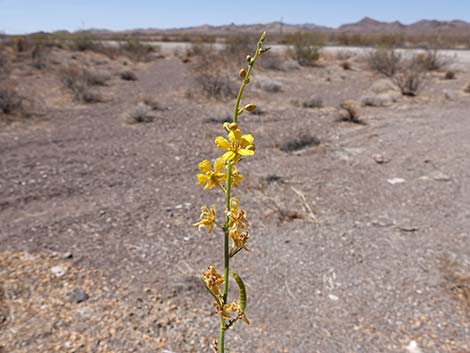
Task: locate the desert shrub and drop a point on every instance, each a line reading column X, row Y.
column 432, row 60
column 449, row 75
column 142, row 113
column 211, row 74
column 4, row 62
column 136, row 50
column 313, row 102
column 306, row 48
column 410, row 78
column 40, row 56
column 350, row 111
column 385, row 61
column 344, row 55
column 84, row 42
column 152, row 103
column 80, row 82
column 219, row 116
column 346, row 65
column 300, row 142
column 235, row 45
column 10, row 101
column 128, row 76
column 271, row 86
column 467, row 89
column 272, row 61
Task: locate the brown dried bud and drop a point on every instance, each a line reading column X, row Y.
column 242, row 73
column 232, row 126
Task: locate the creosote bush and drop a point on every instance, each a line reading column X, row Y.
column 223, row 175
column 10, row 101
column 432, row 60
column 81, row 81
column 410, row 79
column 385, row 61
column 306, row 48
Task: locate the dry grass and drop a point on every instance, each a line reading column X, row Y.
column 299, row 143
column 458, row 280
column 10, row 101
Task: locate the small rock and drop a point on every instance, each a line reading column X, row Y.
column 333, row 297
column 67, row 255
column 58, row 271
column 78, row 296
column 440, row 176
column 394, row 181
column 413, row 347
column 380, row 159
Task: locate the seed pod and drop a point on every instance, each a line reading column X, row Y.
column 242, row 73
column 242, row 289
column 250, row 107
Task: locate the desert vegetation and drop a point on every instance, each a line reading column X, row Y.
column 354, row 193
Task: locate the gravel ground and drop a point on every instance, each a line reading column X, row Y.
column 360, row 243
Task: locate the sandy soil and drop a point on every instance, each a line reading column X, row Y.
column 360, row 243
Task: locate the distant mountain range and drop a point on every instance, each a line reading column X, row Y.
column 368, row 24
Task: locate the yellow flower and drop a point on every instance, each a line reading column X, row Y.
column 207, row 219
column 234, row 307
column 237, row 145
column 209, row 177
column 236, row 177
column 213, row 280
column 239, row 239
column 237, row 217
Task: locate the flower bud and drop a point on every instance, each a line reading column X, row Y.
column 250, row 107
column 248, row 58
column 232, row 126
column 242, row 73
column 251, row 147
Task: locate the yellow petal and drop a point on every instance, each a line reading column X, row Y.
column 201, row 179
column 219, row 164
column 205, row 166
column 247, row 139
column 222, row 143
column 245, row 152
column 229, row 156
column 234, row 135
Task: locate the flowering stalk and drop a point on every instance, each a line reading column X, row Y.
column 224, row 176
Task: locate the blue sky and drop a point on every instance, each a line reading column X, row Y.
column 23, row 16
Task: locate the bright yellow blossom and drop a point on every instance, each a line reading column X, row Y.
column 237, row 145
column 211, row 178
column 206, row 219
column 213, row 280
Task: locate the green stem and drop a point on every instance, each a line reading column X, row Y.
column 228, row 188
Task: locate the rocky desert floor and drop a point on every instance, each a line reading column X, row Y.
column 360, row 231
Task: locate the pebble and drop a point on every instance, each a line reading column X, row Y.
column 440, row 176
column 78, row 296
column 58, row 271
column 394, row 181
column 333, row 297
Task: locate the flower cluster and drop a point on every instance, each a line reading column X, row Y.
column 222, row 175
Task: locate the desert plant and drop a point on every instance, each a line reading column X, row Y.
column 467, row 89
column 306, row 49
column 80, row 82
column 350, row 111
column 410, row 78
column 224, row 175
column 449, row 75
column 142, row 113
column 40, row 56
column 271, row 86
column 313, row 102
column 10, row 101
column 385, row 61
column 128, row 76
column 300, row 142
column 216, row 83
column 136, row 50
column 433, row 60
column 346, row 65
